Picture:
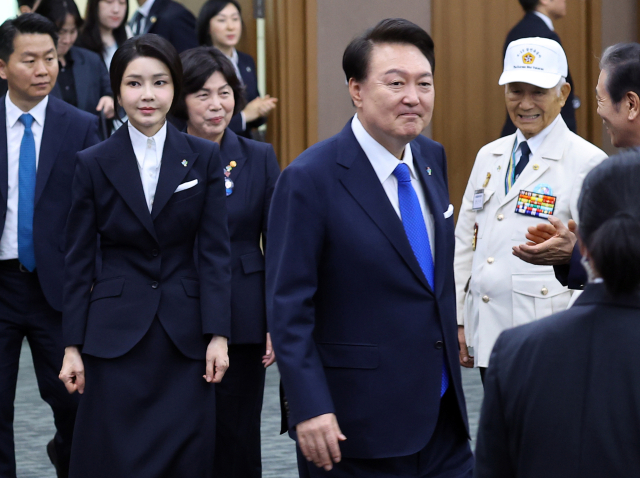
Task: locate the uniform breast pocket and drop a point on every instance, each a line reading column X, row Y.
column 483, row 214
column 536, row 296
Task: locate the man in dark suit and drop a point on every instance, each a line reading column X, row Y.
column 169, row 19
column 360, row 288
column 39, row 138
column 538, row 22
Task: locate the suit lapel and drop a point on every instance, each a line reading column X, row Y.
column 121, row 168
column 4, row 153
column 78, row 69
column 154, row 14
column 177, row 161
column 55, row 127
column 230, row 151
column 432, row 193
column 360, row 179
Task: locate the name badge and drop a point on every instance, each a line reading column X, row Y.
column 478, row 200
column 535, row 204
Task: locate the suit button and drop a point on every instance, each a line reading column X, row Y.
column 439, row 344
column 500, row 217
column 154, row 285
column 485, row 299
column 490, row 260
column 544, row 291
column 155, row 253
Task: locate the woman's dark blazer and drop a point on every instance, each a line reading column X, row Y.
column 254, row 178
column 247, row 68
column 148, row 267
column 91, row 78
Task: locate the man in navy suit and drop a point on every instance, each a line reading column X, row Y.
column 169, row 19
column 360, row 288
column 538, row 22
column 39, row 138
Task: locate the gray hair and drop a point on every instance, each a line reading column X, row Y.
column 622, row 64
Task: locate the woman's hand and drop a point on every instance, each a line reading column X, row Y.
column 72, row 373
column 269, row 357
column 217, row 359
column 106, row 106
column 259, row 107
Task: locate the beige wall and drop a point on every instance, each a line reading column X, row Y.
column 619, row 24
column 338, row 22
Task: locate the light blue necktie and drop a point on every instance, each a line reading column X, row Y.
column 26, row 195
column 416, row 230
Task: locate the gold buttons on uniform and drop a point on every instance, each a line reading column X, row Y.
column 490, row 260
column 485, row 299
column 544, row 291
column 500, row 217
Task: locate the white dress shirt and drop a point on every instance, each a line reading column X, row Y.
column 15, row 131
column 534, row 142
column 545, row 19
column 148, row 151
column 384, row 163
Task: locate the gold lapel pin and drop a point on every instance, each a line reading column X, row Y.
column 185, row 162
column 536, row 167
column 153, row 19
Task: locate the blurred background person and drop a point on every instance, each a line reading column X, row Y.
column 105, row 27
column 211, row 95
column 538, row 22
column 495, row 290
column 28, row 6
column 220, row 24
column 83, row 80
column 169, row 19
column 562, row 395
column 152, row 325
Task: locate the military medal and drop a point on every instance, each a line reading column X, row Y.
column 535, row 204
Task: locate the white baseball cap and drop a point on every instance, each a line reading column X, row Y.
column 537, row 61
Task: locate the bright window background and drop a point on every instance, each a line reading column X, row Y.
column 9, row 8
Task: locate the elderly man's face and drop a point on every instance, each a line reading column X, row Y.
column 532, row 108
column 614, row 117
column 395, row 101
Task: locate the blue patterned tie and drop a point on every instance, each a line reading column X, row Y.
column 416, row 230
column 26, row 195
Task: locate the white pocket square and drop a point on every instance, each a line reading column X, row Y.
column 449, row 212
column 187, row 185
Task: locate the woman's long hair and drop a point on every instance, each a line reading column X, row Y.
column 90, row 37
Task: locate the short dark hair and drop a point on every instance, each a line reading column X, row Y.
column 355, row 61
column 622, row 64
column 610, row 221
column 57, row 11
column 207, row 12
column 529, row 5
column 198, row 65
column 149, row 45
column 29, row 23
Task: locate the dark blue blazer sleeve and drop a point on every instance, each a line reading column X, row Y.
column 573, row 274
column 174, row 23
column 296, row 229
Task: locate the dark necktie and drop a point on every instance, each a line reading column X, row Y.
column 26, row 195
column 136, row 21
column 524, row 159
column 416, row 231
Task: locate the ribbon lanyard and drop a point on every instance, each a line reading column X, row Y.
column 510, row 177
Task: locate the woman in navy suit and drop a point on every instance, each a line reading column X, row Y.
column 220, row 25
column 143, row 329
column 211, row 95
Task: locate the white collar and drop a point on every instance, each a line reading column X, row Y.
column 139, row 141
column 383, row 162
column 536, row 141
column 146, row 8
column 234, row 57
column 39, row 111
column 545, row 19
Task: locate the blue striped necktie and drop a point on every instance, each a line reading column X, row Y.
column 26, row 195
column 416, row 230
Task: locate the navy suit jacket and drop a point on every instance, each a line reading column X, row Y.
column 562, row 396
column 355, row 325
column 254, row 178
column 67, row 130
column 530, row 26
column 148, row 266
column 91, row 78
column 173, row 22
column 247, row 68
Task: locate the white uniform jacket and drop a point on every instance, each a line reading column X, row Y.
column 495, row 290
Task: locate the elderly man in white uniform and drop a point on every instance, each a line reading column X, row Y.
column 516, row 182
